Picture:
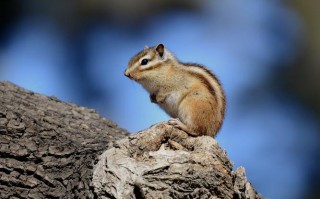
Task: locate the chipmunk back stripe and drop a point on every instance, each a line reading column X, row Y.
column 214, row 86
column 205, row 81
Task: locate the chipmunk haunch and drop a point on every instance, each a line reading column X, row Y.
column 188, row 92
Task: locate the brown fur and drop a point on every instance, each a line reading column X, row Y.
column 187, row 91
column 136, row 58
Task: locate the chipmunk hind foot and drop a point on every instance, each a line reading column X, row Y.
column 175, row 122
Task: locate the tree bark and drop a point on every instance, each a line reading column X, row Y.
column 164, row 162
column 53, row 149
column 48, row 147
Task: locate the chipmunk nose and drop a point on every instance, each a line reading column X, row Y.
column 127, row 74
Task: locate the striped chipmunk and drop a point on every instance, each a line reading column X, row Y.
column 188, row 92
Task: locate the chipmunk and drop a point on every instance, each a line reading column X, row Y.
column 188, row 92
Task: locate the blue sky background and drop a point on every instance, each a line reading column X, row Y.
column 249, row 46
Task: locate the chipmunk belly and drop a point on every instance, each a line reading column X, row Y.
column 171, row 105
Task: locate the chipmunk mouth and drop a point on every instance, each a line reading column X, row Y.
column 130, row 76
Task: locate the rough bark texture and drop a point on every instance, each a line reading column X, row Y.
column 48, row 149
column 164, row 162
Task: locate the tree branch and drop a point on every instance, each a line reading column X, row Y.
column 147, row 165
column 48, row 147
column 53, row 149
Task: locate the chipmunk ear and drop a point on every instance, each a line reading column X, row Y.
column 160, row 49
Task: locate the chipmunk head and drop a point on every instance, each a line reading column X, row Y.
column 147, row 62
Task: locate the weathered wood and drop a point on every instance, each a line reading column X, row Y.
column 47, row 147
column 147, row 165
column 53, row 149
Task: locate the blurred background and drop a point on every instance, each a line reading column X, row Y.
column 266, row 54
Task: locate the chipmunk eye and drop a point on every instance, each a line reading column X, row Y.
column 144, row 62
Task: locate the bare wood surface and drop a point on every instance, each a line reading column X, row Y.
column 164, row 162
